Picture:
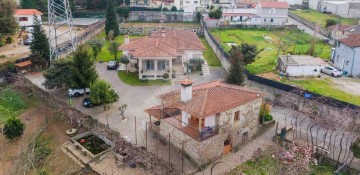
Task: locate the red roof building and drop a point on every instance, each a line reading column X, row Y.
column 27, row 12
column 25, row 17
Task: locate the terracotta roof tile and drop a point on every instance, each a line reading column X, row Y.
column 281, row 5
column 27, row 12
column 211, row 98
column 23, row 64
column 353, row 40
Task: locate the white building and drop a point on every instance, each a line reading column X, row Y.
column 347, row 55
column 346, row 8
column 25, row 17
column 300, row 65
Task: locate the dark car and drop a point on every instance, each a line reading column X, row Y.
column 87, row 103
column 112, row 65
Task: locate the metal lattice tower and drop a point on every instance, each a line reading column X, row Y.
column 62, row 38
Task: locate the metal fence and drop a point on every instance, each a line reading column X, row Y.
column 340, row 167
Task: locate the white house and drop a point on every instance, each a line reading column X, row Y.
column 347, row 55
column 345, row 8
column 163, row 52
column 25, row 17
column 260, row 13
column 300, row 65
column 189, row 4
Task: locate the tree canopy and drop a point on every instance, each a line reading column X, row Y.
column 55, row 76
column 113, row 48
column 27, row 4
column 236, row 73
column 13, row 128
column 7, row 20
column 102, row 93
column 111, row 20
column 249, row 53
column 83, row 72
column 96, row 45
column 215, row 14
column 39, row 46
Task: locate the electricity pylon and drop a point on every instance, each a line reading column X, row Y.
column 62, row 38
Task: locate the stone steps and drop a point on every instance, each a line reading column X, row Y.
column 66, row 150
column 205, row 69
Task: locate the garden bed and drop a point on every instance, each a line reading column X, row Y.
column 132, row 78
column 94, row 144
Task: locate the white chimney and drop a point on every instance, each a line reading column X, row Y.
column 127, row 40
column 163, row 33
column 186, row 90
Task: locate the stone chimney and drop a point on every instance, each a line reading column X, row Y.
column 127, row 40
column 163, row 33
column 186, row 90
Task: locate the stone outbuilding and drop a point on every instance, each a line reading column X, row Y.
column 300, row 65
column 209, row 120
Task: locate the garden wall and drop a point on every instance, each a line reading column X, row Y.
column 323, row 31
column 71, row 115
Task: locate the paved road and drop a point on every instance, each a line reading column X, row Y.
column 307, row 29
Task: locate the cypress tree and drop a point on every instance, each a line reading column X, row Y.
column 111, row 21
column 39, row 46
column 27, row 4
column 237, row 68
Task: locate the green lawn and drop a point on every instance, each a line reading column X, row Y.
column 210, row 55
column 132, row 78
column 11, row 103
column 266, row 60
column 324, row 87
column 320, row 18
column 104, row 54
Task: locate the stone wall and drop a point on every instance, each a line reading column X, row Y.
column 321, row 30
column 156, row 16
column 345, row 118
column 212, row 148
column 149, row 30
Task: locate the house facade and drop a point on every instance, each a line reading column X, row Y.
column 25, row 17
column 167, row 51
column 208, row 120
column 346, row 56
column 260, row 13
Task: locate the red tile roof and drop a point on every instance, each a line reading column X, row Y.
column 341, row 27
column 23, row 64
column 174, row 42
column 211, row 98
column 281, row 5
column 27, row 12
column 353, row 40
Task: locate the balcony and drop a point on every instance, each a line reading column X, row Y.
column 192, row 129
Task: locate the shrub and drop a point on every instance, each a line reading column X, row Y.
column 165, row 9
column 13, row 128
column 264, row 109
column 330, row 22
column 268, row 117
column 215, row 14
column 102, row 92
column 11, row 68
column 165, row 76
column 9, row 40
column 173, row 8
column 2, row 43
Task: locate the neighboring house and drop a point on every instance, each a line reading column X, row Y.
column 300, row 65
column 189, row 4
column 261, row 13
column 346, row 8
column 353, row 30
column 339, row 31
column 346, row 56
column 272, row 13
column 207, row 120
column 163, row 52
column 25, row 17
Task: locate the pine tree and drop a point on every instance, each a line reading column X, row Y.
column 55, row 76
column 236, row 75
column 8, row 24
column 111, row 20
column 27, row 4
column 39, row 46
column 82, row 71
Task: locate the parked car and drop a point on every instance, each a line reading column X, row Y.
column 28, row 41
column 331, row 71
column 112, row 65
column 77, row 92
column 87, row 103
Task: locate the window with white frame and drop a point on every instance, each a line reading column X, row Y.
column 149, row 64
column 161, row 64
column 272, row 10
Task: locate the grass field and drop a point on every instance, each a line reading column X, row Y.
column 324, row 87
column 132, row 78
column 266, row 60
column 105, row 54
column 11, row 104
column 209, row 55
column 320, row 18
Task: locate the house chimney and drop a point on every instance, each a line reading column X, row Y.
column 163, row 33
column 127, row 40
column 186, row 90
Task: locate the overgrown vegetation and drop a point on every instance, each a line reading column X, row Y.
column 94, row 144
column 317, row 17
column 210, row 55
column 270, row 41
column 11, row 104
column 264, row 113
column 132, row 78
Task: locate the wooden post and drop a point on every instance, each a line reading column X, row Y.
column 169, row 149
column 146, row 135
column 135, row 132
